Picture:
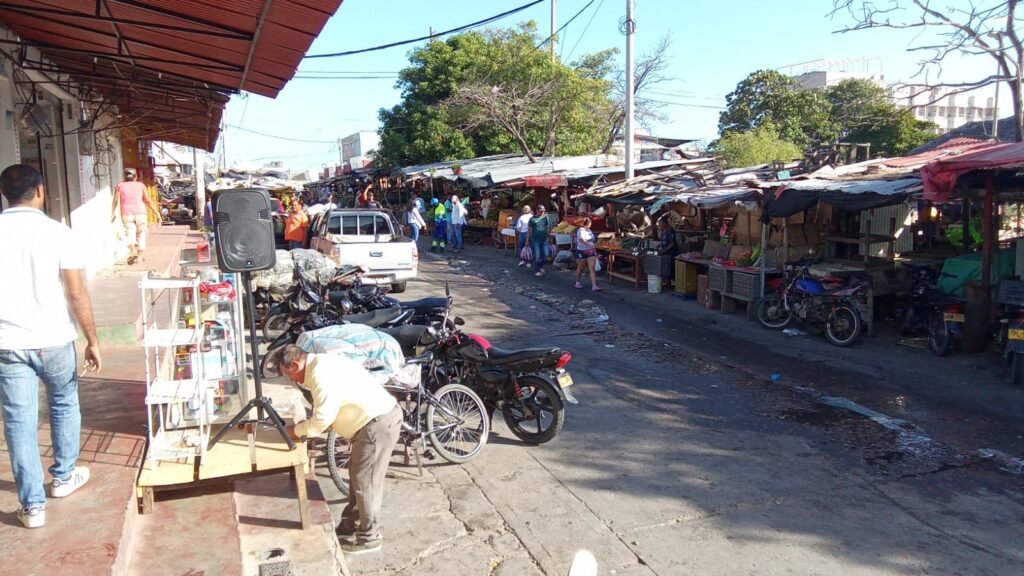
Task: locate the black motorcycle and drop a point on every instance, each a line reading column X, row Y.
column 530, row 386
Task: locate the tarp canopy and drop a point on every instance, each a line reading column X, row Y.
column 710, row 197
column 854, row 195
column 940, row 177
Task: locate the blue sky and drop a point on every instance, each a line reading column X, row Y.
column 715, row 44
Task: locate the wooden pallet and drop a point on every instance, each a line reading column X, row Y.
column 242, row 453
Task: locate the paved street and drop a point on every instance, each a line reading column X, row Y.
column 674, row 463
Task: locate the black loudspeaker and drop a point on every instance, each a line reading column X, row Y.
column 244, row 228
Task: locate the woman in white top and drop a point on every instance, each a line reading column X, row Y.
column 523, row 233
column 586, row 255
column 413, row 221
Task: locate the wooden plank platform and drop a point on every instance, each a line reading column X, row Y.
column 241, row 453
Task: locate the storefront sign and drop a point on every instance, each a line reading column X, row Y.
column 547, row 181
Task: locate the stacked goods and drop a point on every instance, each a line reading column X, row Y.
column 482, row 223
column 507, row 218
column 564, row 228
column 609, row 243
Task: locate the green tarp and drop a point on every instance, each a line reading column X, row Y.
column 960, row 270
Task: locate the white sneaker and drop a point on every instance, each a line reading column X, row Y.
column 33, row 516
column 61, row 488
column 521, row 263
column 539, row 274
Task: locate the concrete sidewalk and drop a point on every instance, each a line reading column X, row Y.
column 227, row 528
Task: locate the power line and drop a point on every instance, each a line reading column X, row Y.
column 587, row 27
column 476, row 24
column 564, row 26
column 685, row 105
column 302, row 77
column 285, row 138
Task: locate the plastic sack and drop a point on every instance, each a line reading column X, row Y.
column 376, row 351
column 597, row 265
column 563, row 257
column 279, row 278
column 313, row 266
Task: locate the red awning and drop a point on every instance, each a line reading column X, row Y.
column 940, row 177
column 170, row 66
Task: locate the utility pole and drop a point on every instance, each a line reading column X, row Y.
column 628, row 137
column 552, row 44
column 199, row 171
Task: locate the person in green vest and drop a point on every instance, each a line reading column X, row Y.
column 440, row 226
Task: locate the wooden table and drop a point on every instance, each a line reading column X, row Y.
column 242, row 453
column 633, row 266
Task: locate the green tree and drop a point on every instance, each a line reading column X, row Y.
column 759, row 145
column 802, row 117
column 493, row 92
column 864, row 114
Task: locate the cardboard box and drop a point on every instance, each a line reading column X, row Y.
column 686, row 278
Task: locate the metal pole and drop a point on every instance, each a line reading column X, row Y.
column 551, row 46
column 628, row 137
column 995, row 108
column 199, row 172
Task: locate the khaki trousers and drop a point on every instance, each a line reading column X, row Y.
column 371, row 453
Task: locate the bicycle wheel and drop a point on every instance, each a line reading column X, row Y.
column 457, row 423
column 339, row 450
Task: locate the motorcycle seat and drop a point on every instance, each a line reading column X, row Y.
column 504, row 356
column 336, row 296
column 426, row 304
column 374, row 318
column 409, row 336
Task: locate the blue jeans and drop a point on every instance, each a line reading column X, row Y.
column 20, row 373
column 293, row 244
column 539, row 254
column 522, row 241
column 450, row 233
column 414, row 232
column 457, row 233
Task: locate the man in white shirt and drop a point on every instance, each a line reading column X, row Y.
column 347, row 398
column 42, row 294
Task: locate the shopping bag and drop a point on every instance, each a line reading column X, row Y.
column 597, row 265
column 526, row 254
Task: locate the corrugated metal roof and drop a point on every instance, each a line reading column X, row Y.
column 858, row 186
column 186, row 55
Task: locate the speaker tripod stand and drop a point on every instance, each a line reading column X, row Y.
column 265, row 413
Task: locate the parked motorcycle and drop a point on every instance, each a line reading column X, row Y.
column 823, row 305
column 530, row 386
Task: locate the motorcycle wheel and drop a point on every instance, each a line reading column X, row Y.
column 339, row 453
column 526, row 417
column 772, row 313
column 268, row 369
column 457, row 423
column 843, row 326
column 275, row 324
column 939, row 338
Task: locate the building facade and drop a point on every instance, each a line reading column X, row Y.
column 45, row 124
column 357, row 148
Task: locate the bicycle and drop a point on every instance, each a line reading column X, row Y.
column 453, row 419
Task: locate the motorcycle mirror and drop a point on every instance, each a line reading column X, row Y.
column 447, row 290
column 459, row 321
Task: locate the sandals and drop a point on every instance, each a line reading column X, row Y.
column 132, row 259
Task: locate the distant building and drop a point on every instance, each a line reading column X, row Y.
column 942, row 106
column 947, row 109
column 171, row 161
column 356, row 149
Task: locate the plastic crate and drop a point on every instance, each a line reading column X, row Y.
column 718, row 280
column 746, row 286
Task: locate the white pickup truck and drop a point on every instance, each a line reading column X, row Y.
column 371, row 238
